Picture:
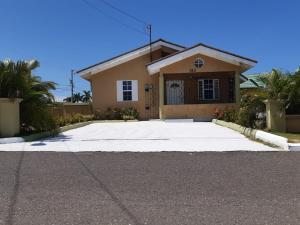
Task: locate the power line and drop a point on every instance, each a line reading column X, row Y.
column 95, row 7
column 124, row 13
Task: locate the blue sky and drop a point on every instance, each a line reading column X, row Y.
column 68, row 34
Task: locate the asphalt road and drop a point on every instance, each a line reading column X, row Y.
column 149, row 188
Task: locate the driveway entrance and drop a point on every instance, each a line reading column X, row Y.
column 147, row 136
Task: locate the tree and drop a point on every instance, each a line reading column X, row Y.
column 282, row 86
column 16, row 80
column 67, row 99
column 13, row 78
column 86, row 97
column 77, row 97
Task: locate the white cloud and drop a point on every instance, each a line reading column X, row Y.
column 59, row 98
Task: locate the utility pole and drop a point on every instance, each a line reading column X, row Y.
column 72, row 85
column 149, row 27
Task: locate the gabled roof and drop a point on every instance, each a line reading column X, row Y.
column 127, row 56
column 200, row 48
column 253, row 81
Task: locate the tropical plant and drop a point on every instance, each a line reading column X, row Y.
column 282, row 86
column 129, row 113
column 86, row 96
column 228, row 114
column 72, row 118
column 252, row 111
column 13, row 77
column 16, row 80
column 68, row 99
column 117, row 114
column 77, row 97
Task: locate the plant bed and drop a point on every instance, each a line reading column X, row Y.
column 45, row 134
column 54, row 132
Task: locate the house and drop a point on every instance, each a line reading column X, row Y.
column 167, row 80
column 252, row 83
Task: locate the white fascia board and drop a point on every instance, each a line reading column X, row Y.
column 127, row 57
column 155, row 67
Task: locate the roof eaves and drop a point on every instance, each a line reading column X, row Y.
column 207, row 46
column 128, row 52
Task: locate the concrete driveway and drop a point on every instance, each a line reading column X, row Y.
column 166, row 188
column 149, row 136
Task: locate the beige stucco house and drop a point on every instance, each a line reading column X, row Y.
column 167, row 80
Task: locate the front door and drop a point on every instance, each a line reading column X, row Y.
column 175, row 92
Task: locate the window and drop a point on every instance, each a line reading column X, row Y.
column 198, row 63
column 208, row 89
column 127, row 90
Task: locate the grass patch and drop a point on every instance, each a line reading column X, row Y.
column 292, row 137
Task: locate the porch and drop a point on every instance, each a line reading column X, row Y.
column 197, row 95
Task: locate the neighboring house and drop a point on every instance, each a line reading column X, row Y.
column 171, row 82
column 253, row 81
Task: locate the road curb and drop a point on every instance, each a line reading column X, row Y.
column 249, row 132
column 294, row 147
column 257, row 134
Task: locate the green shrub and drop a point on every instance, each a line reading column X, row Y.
column 114, row 114
column 230, row 115
column 71, row 119
column 250, row 114
column 77, row 118
column 117, row 114
column 129, row 114
column 98, row 115
column 252, row 111
column 227, row 114
column 35, row 118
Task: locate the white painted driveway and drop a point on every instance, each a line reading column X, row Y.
column 148, row 136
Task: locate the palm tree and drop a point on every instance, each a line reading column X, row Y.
column 282, row 86
column 68, row 99
column 86, row 97
column 77, row 97
column 16, row 80
column 13, row 77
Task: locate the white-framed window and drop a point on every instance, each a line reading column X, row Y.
column 208, row 89
column 127, row 90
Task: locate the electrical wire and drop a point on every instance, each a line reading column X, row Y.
column 124, row 13
column 93, row 6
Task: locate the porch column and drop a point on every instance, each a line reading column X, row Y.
column 161, row 94
column 237, row 87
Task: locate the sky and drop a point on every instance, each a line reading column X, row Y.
column 73, row 34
